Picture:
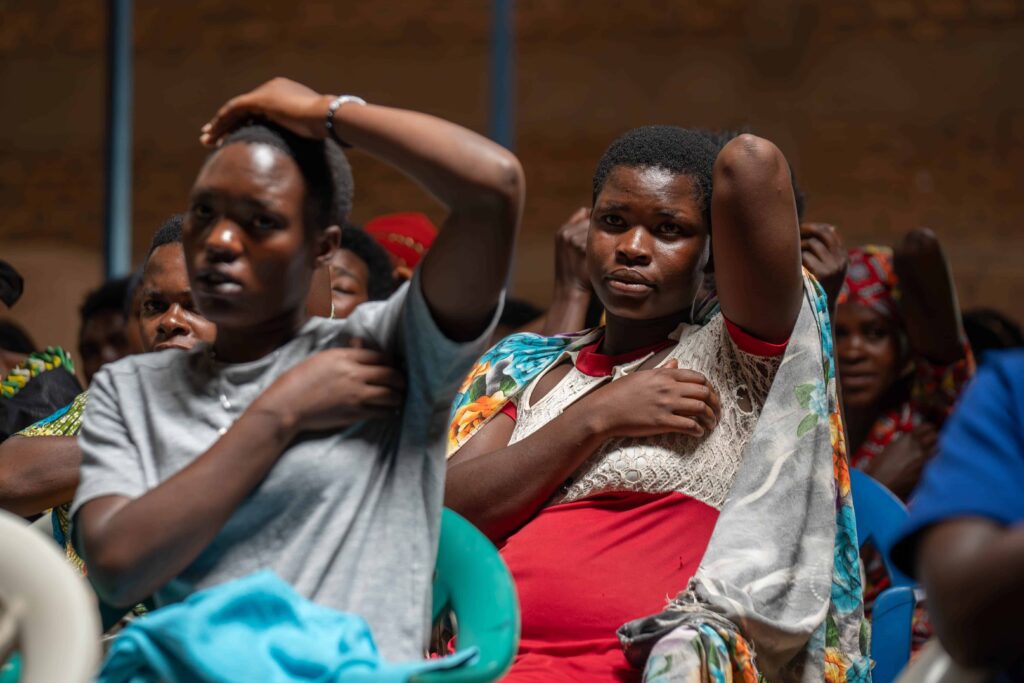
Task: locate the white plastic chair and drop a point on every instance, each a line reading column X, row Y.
column 50, row 613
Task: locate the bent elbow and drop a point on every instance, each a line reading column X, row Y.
column 509, row 180
column 749, row 158
column 110, row 574
column 12, row 494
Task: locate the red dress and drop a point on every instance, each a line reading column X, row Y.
column 584, row 568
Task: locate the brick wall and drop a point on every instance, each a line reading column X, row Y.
column 894, row 113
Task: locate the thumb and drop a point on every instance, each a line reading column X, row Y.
column 356, row 343
column 673, row 364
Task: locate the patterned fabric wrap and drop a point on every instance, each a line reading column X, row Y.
column 65, row 422
column 781, row 569
column 871, row 281
column 509, row 366
column 782, row 565
column 34, row 365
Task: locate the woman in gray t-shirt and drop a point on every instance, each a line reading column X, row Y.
column 291, row 443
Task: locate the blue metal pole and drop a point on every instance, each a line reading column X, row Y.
column 502, row 81
column 117, row 243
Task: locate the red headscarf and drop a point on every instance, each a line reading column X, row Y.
column 871, row 281
column 405, row 236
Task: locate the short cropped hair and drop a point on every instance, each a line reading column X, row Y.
column 324, row 168
column 168, row 233
column 671, row 148
column 11, row 284
column 134, row 283
column 110, row 296
column 380, row 283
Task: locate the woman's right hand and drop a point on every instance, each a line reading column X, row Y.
column 900, row 464
column 334, row 389
column 287, row 103
column 658, row 401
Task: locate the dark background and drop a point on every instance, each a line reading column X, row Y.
column 894, row 113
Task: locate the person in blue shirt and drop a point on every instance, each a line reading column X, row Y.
column 965, row 537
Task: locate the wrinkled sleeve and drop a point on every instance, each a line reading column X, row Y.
column 110, row 461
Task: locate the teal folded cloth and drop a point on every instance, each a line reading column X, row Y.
column 256, row 628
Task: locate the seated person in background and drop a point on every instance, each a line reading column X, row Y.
column 406, row 237
column 103, row 336
column 601, row 463
column 965, row 536
column 32, row 383
column 902, row 361
column 572, row 296
column 15, row 343
column 990, row 330
column 287, row 445
column 39, row 466
column 360, row 272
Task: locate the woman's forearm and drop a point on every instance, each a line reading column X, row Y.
column 38, row 473
column 568, row 311
column 461, row 168
column 135, row 546
column 501, row 490
column 971, row 569
column 929, row 302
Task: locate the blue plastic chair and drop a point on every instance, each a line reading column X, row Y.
column 880, row 517
column 472, row 580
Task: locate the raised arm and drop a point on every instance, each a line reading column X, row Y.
column 755, row 238
column 572, row 291
column 480, row 182
column 928, row 301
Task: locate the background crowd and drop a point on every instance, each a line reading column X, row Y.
column 714, row 353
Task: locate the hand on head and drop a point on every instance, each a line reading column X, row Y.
column 292, row 105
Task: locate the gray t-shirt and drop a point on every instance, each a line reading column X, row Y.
column 349, row 518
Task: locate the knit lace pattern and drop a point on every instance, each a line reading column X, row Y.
column 702, row 468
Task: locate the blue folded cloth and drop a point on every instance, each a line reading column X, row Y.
column 256, row 628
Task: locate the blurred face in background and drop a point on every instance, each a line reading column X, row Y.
column 168, row 318
column 350, row 282
column 868, row 355
column 103, row 339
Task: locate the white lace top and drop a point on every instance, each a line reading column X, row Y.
column 702, row 468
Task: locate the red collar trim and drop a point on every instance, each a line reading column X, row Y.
column 594, row 364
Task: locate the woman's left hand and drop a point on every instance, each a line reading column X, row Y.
column 292, row 105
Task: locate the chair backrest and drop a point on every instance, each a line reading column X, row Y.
column 54, row 611
column 880, row 518
column 472, row 580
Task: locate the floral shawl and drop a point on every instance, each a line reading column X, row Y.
column 797, row 596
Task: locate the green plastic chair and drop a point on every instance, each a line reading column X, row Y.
column 472, row 580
